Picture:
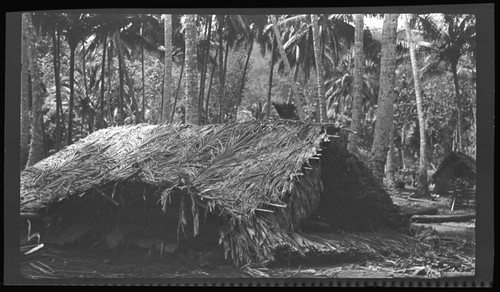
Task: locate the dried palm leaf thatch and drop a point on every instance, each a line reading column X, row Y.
column 263, row 179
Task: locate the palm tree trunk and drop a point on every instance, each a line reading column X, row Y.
column 143, row 77
column 130, row 84
column 221, row 19
column 36, row 148
column 69, row 137
column 422, row 188
column 108, row 96
column 385, row 111
column 101, row 103
column 458, row 105
column 357, row 86
column 167, row 73
column 85, row 86
column 120, row 111
column 391, row 160
column 205, row 69
column 25, row 115
column 55, row 57
column 270, row 80
column 207, row 104
column 295, row 76
column 191, row 66
column 281, row 49
column 319, row 70
column 177, row 91
column 59, row 101
column 242, row 86
column 224, row 102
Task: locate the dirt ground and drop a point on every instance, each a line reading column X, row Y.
column 450, row 253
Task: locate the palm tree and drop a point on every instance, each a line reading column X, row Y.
column 51, row 23
column 319, row 70
column 25, row 115
column 36, row 148
column 357, row 87
column 167, row 73
column 191, row 67
column 204, row 69
column 385, row 111
column 335, row 34
column 453, row 35
column 422, row 188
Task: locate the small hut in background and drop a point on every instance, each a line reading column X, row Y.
column 456, row 176
column 250, row 188
column 286, row 111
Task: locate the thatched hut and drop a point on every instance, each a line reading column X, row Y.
column 454, row 166
column 250, row 187
column 286, row 111
column 456, row 177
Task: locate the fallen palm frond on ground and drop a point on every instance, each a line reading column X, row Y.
column 254, row 182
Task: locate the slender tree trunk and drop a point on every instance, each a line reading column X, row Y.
column 292, row 89
column 391, row 160
column 108, row 96
column 130, row 84
column 224, row 102
column 207, row 104
column 120, row 112
column 281, row 50
column 422, row 188
column 385, row 111
column 319, row 70
column 177, row 91
column 459, row 106
column 101, row 103
column 191, row 66
column 221, row 19
column 36, row 148
column 270, row 80
column 59, row 101
column 143, row 77
column 242, row 86
column 204, row 70
column 167, row 73
column 25, row 115
column 69, row 137
column 357, row 86
column 162, row 96
column 58, row 132
column 85, row 87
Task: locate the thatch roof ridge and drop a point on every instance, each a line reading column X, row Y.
column 200, row 154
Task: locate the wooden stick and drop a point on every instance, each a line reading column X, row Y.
column 30, row 215
column 453, row 204
column 276, row 205
column 264, row 210
column 420, row 200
